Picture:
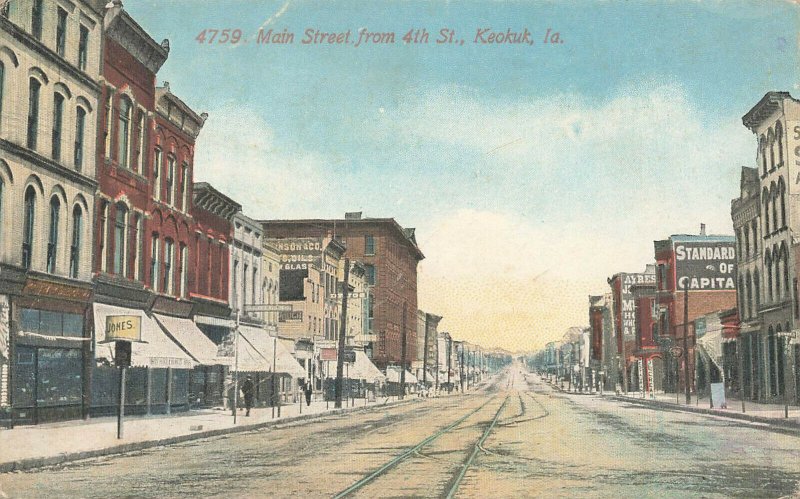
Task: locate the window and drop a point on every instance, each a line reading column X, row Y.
column 61, row 32
column 58, row 124
column 755, row 238
column 244, row 286
column 170, row 180
column 80, row 128
column 154, row 264
column 765, row 195
column 169, row 254
column 52, row 240
column 36, row 19
column 83, row 47
column 140, row 143
column 184, row 173
column 370, row 271
column 369, row 245
column 107, row 131
column 27, row 228
column 120, row 239
column 785, row 271
column 370, row 312
column 184, row 269
column 157, row 175
column 103, row 236
column 757, row 290
column 254, row 298
column 782, row 192
column 138, row 263
column 746, row 242
column 123, row 155
column 75, row 247
column 33, row 112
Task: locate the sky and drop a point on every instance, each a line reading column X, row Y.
column 532, row 172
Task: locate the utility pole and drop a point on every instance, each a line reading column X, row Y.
column 686, row 341
column 403, row 354
column 461, row 369
column 342, row 334
column 449, row 345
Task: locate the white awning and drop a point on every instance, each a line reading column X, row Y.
column 363, row 368
column 214, row 321
column 189, row 336
column 393, row 376
column 265, row 344
column 158, row 351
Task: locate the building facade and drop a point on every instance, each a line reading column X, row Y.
column 390, row 256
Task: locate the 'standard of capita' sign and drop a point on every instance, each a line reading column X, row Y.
column 705, row 266
column 123, row 328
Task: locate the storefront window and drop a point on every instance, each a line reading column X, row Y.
column 24, row 376
column 51, row 323
column 59, row 377
column 180, row 386
column 158, row 394
column 73, row 325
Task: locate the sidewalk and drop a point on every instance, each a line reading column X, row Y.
column 26, row 447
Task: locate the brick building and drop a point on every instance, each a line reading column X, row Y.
column 390, row 255
column 705, row 265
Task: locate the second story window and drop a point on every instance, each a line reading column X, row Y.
column 36, row 19
column 33, row 112
column 370, row 274
column 169, row 254
column 83, row 48
column 58, row 124
column 107, row 131
column 369, row 245
column 120, row 239
column 75, row 248
column 80, row 127
column 52, row 241
column 28, row 227
column 61, row 32
column 124, row 132
column 154, row 264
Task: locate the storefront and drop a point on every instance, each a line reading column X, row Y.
column 207, row 379
column 286, row 369
column 158, row 379
column 47, row 347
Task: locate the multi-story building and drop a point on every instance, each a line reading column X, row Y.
column 49, row 68
column 445, row 375
column 623, row 310
column 247, row 286
column 604, row 359
column 390, row 256
column 765, row 219
column 700, row 270
column 424, row 367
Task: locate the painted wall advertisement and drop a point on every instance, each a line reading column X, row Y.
column 706, row 266
column 628, row 304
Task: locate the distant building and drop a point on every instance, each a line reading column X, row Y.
column 390, row 256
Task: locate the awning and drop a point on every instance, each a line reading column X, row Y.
column 393, row 376
column 189, row 336
column 363, row 368
column 158, row 351
column 265, row 345
column 214, row 321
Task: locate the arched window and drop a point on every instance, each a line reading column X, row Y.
column 157, row 174
column 124, row 131
column 768, row 264
column 746, row 242
column 107, row 131
column 58, row 125
column 785, row 257
column 75, row 247
column 154, row 263
column 776, row 265
column 33, row 112
column 120, row 239
column 183, row 279
column 138, row 266
column 183, row 190
column 170, row 180
column 765, row 195
column 757, row 290
column 755, row 237
column 779, row 142
column 773, row 193
column 27, row 229
column 762, row 147
column 52, row 239
column 80, row 130
column 169, row 255
column 102, row 239
column 771, row 145
column 140, row 127
column 782, row 194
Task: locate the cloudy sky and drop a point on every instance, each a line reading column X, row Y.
column 531, row 172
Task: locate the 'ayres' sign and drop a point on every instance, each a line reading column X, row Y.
column 704, row 266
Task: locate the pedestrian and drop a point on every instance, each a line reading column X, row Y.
column 308, row 391
column 248, row 389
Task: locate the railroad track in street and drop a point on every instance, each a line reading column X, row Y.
column 415, row 451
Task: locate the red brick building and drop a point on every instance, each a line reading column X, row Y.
column 390, row 256
column 706, row 266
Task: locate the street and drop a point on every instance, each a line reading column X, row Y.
column 542, row 444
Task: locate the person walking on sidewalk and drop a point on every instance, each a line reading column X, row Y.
column 309, row 391
column 247, row 390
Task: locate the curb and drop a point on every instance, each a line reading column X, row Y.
column 41, row 462
column 789, row 424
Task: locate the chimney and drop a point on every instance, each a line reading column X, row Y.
column 702, row 229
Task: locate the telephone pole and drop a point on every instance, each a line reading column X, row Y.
column 342, row 334
column 425, row 354
column 686, row 341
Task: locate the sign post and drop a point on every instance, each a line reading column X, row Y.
column 122, row 330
